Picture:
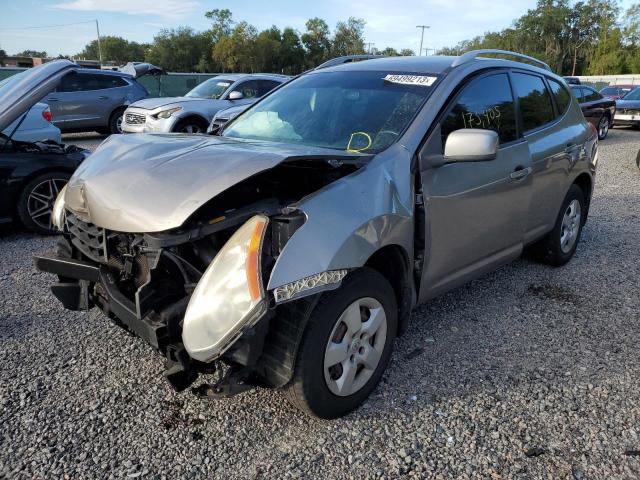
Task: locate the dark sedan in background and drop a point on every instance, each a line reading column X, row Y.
column 616, row 92
column 628, row 109
column 598, row 110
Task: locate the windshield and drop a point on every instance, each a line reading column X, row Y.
column 633, row 94
column 213, row 88
column 609, row 91
column 353, row 111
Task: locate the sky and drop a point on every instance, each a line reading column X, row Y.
column 388, row 22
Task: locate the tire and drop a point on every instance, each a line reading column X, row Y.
column 190, row 125
column 36, row 200
column 603, row 127
column 315, row 389
column 115, row 122
column 551, row 249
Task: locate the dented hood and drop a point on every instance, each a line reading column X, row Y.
column 150, row 183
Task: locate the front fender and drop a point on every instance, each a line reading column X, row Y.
column 351, row 219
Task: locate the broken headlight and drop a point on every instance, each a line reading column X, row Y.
column 57, row 214
column 229, row 296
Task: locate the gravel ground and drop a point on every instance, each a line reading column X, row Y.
column 529, row 372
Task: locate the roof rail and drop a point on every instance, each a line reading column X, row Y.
column 347, row 59
column 473, row 54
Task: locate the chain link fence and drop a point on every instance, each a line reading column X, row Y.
column 170, row 85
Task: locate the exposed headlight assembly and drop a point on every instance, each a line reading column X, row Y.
column 57, row 214
column 229, row 296
column 167, row 113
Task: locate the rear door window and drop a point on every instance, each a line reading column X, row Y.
column 265, row 86
column 562, row 96
column 109, row 81
column 77, row 82
column 534, row 100
column 485, row 103
column 591, row 95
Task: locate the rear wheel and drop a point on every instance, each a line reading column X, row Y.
column 346, row 346
column 559, row 245
column 603, row 127
column 190, row 125
column 35, row 203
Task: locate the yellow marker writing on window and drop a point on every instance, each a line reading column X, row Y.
column 369, row 142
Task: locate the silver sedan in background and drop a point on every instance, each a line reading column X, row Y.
column 193, row 112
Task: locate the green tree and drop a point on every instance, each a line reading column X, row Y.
column 180, row 50
column 32, row 53
column 221, row 23
column 631, row 39
column 389, row 52
column 114, row 49
column 267, row 50
column 291, row 52
column 608, row 58
column 316, row 41
column 236, row 53
column 407, row 52
column 3, row 55
column 348, row 38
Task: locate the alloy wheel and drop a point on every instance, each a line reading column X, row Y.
column 603, row 127
column 570, row 226
column 41, row 199
column 119, row 121
column 355, row 346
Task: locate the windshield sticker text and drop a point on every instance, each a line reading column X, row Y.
column 419, row 80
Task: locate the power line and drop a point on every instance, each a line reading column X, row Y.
column 48, row 26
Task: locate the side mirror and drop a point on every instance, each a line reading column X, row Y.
column 471, row 145
column 236, row 95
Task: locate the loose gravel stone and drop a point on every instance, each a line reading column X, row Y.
column 526, row 357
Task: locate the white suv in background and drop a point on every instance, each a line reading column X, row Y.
column 193, row 112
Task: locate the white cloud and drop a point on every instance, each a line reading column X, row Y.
column 174, row 9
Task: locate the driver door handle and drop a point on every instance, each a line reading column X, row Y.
column 520, row 173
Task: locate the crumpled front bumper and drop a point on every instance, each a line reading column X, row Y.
column 72, row 290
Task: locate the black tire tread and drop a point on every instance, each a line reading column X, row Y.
column 294, row 390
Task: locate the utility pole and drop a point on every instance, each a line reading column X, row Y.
column 99, row 47
column 423, row 27
column 369, row 45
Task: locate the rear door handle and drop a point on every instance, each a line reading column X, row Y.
column 520, row 173
column 52, row 99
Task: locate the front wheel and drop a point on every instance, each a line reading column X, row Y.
column 559, row 245
column 115, row 122
column 346, row 346
column 190, row 125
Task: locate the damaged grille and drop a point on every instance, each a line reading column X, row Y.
column 629, row 111
column 134, row 119
column 87, row 237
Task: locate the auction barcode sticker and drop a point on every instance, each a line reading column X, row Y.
column 420, row 80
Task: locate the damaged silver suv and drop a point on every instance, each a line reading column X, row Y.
column 288, row 250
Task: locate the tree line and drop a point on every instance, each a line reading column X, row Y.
column 593, row 37
column 230, row 46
